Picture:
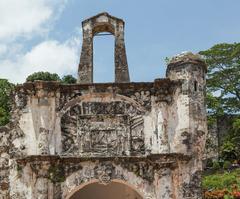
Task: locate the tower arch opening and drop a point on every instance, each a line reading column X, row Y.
column 103, row 57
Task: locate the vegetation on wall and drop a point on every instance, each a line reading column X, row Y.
column 224, row 185
column 5, row 101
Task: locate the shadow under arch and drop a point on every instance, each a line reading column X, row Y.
column 103, row 27
column 117, row 189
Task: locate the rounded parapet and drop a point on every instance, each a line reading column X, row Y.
column 185, row 58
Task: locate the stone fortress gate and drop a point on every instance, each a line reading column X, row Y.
column 121, row 140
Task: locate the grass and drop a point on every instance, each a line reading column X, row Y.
column 222, row 185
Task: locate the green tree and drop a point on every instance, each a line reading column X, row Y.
column 223, row 91
column 223, row 78
column 68, row 79
column 5, row 101
column 45, row 76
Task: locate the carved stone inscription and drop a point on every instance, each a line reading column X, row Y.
column 103, row 135
column 103, row 129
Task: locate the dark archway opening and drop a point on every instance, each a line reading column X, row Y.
column 103, row 57
column 113, row 190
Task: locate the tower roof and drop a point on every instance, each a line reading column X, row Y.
column 106, row 14
column 187, row 57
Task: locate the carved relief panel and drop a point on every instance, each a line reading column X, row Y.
column 102, row 129
column 103, row 135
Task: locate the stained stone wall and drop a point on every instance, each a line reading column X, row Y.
column 149, row 135
column 212, row 144
column 217, row 132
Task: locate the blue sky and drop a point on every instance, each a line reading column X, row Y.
column 42, row 35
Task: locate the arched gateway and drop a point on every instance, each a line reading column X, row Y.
column 108, row 140
column 116, row 189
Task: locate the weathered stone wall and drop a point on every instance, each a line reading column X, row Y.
column 148, row 135
column 191, row 112
column 217, row 131
column 224, row 125
column 212, row 145
column 56, row 118
column 4, row 162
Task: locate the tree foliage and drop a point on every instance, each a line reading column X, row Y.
column 230, row 150
column 222, row 185
column 68, row 79
column 5, row 101
column 223, row 78
column 44, row 76
column 223, row 91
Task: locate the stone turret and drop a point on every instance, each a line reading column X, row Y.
column 191, row 70
column 190, row 118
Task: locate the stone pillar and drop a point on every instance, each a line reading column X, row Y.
column 121, row 66
column 85, row 69
column 164, row 187
column 41, row 187
column 39, row 121
column 163, row 142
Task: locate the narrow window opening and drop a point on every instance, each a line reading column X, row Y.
column 103, row 58
column 195, row 86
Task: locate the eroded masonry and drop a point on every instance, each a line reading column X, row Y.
column 107, row 140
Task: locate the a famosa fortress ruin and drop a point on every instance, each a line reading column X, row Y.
column 135, row 140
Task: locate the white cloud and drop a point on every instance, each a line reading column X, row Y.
column 3, row 49
column 217, row 93
column 51, row 56
column 24, row 17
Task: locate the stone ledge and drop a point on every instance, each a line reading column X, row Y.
column 156, row 158
column 165, row 83
column 58, row 168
